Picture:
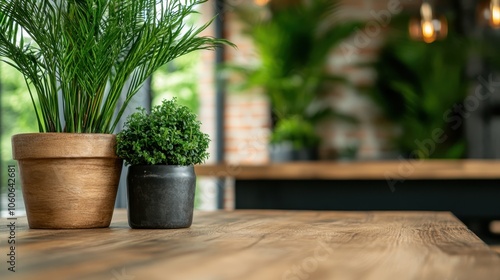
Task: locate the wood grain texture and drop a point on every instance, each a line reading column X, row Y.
column 260, row 244
column 359, row 170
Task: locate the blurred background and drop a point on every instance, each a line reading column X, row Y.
column 326, row 80
column 370, row 77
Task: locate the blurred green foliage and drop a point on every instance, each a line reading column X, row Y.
column 293, row 44
column 16, row 114
column 179, row 79
column 297, row 131
column 417, row 86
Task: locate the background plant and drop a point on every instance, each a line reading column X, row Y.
column 170, row 135
column 79, row 56
column 293, row 44
column 417, row 83
column 296, row 130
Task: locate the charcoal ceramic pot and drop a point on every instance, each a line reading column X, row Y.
column 160, row 196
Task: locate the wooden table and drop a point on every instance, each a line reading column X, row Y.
column 261, row 245
column 398, row 170
column 469, row 188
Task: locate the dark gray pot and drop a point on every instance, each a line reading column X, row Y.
column 285, row 152
column 160, row 196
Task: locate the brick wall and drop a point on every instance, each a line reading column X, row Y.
column 373, row 133
column 247, row 113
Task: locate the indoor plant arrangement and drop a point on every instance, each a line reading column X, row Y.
column 293, row 42
column 79, row 58
column 293, row 139
column 162, row 148
column 417, row 84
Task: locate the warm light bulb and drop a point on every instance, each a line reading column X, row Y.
column 495, row 14
column 428, row 27
column 261, row 2
column 428, row 31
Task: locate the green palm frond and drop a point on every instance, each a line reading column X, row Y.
column 82, row 53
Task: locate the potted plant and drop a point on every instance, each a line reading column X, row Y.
column 162, row 148
column 293, row 41
column 79, row 59
column 417, row 86
column 294, row 139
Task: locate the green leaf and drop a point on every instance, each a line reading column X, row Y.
column 168, row 135
column 79, row 55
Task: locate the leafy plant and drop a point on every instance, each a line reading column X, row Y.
column 80, row 56
column 170, row 134
column 297, row 131
column 293, row 44
column 417, row 84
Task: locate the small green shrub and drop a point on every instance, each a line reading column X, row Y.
column 169, row 135
column 296, row 130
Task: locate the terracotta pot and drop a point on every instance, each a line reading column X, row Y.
column 69, row 180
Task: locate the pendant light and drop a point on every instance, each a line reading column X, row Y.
column 261, row 2
column 428, row 27
column 489, row 12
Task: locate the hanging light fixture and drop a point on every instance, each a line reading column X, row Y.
column 495, row 13
column 489, row 12
column 261, row 2
column 427, row 27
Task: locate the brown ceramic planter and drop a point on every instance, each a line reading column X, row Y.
column 69, row 180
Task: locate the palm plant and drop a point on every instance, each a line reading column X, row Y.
column 79, row 56
column 293, row 44
column 417, row 84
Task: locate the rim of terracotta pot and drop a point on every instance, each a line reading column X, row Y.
column 63, row 145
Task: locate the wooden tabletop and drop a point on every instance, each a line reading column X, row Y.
column 259, row 244
column 359, row 170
